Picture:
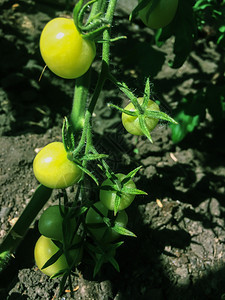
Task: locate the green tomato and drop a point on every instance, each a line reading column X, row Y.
column 131, row 123
column 53, row 169
column 63, row 49
column 51, row 222
column 104, row 233
column 161, row 15
column 45, row 249
column 108, row 197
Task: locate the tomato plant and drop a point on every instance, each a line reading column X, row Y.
column 159, row 15
column 63, row 49
column 131, row 123
column 68, row 49
column 51, row 223
column 45, row 249
column 109, row 191
column 53, row 169
column 104, row 233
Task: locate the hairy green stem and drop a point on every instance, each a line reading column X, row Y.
column 79, row 102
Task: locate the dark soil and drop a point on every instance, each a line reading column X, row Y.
column 179, row 252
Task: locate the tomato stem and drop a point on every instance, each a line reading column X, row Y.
column 18, row 231
column 80, row 102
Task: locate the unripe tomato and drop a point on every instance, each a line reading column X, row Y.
column 51, row 222
column 104, row 233
column 45, row 249
column 108, row 197
column 131, row 123
column 64, row 50
column 53, row 169
column 161, row 15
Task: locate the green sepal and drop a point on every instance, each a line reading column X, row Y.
column 117, row 203
column 130, row 175
column 144, row 128
column 52, row 259
column 96, row 225
column 107, row 221
column 59, row 273
column 112, row 187
column 133, row 191
column 123, row 231
column 85, row 170
column 81, row 13
column 159, row 115
column 78, row 211
column 98, row 266
column 146, row 94
column 114, row 263
column 58, row 244
column 63, row 283
column 76, row 12
column 128, row 112
column 68, row 136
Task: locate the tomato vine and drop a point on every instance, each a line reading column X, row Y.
column 70, row 164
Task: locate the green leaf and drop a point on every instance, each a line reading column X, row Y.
column 184, row 29
column 186, row 124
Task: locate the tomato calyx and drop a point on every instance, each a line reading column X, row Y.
column 122, row 186
column 103, row 254
column 95, row 24
column 141, row 112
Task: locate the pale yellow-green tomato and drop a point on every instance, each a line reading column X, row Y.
column 63, row 49
column 131, row 123
column 53, row 169
column 45, row 249
column 161, row 15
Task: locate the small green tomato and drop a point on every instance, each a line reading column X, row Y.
column 108, row 197
column 131, row 123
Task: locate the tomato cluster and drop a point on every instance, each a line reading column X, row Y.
column 69, row 55
column 51, row 227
